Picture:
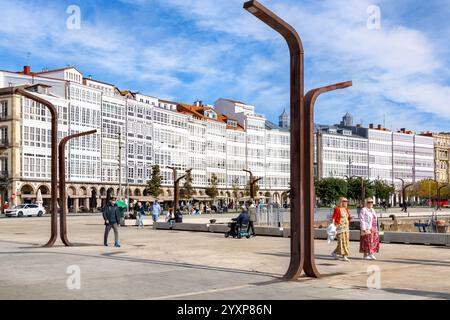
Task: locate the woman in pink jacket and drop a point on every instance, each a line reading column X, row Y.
column 369, row 241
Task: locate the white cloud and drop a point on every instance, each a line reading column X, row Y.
column 396, row 68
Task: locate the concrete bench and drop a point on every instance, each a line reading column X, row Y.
column 417, row 238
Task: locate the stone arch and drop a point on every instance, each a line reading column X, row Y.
column 137, row 192
column 71, row 191
column 103, row 191
column 162, row 194
column 92, row 190
column 45, row 189
column 276, row 197
column 241, row 194
column 221, row 193
column 27, row 189
column 145, row 193
column 228, row 194
column 111, row 191
column 169, row 192
column 201, row 193
column 83, row 191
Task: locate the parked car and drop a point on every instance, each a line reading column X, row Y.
column 25, row 210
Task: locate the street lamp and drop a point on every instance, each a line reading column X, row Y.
column 438, row 189
column 252, row 183
column 54, row 161
column 404, row 187
column 302, row 144
column 62, row 183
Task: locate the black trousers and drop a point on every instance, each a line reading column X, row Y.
column 250, row 225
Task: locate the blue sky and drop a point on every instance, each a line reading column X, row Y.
column 186, row 50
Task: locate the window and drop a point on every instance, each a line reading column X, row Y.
column 3, row 109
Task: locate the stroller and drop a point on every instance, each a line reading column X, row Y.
column 237, row 230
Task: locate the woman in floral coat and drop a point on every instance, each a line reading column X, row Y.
column 341, row 219
column 370, row 242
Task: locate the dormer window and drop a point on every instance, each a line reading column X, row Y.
column 210, row 114
column 232, row 123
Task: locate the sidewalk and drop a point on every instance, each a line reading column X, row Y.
column 156, row 264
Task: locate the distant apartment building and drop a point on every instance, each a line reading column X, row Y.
column 374, row 153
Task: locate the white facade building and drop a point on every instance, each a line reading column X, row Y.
column 152, row 131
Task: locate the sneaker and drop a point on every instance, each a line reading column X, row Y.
column 367, row 257
column 372, row 257
column 334, row 255
column 346, row 259
column 117, row 245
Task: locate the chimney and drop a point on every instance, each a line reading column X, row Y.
column 380, row 127
column 27, row 70
column 371, row 126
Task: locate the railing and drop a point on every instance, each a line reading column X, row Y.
column 269, row 215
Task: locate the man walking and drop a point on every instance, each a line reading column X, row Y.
column 111, row 215
column 156, row 210
column 252, row 218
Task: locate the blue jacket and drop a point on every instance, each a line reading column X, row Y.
column 242, row 218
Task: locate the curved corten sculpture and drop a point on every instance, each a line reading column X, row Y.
column 302, row 131
column 62, row 183
column 54, row 167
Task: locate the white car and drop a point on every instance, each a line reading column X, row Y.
column 25, row 210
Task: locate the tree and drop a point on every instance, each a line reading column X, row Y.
column 235, row 188
column 382, row 190
column 355, row 189
column 187, row 191
column 154, row 184
column 212, row 191
column 426, row 189
column 329, row 190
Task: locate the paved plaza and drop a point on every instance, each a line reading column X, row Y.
column 164, row 264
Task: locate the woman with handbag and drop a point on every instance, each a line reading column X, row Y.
column 369, row 242
column 341, row 219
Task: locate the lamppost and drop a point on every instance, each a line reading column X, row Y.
column 176, row 186
column 54, row 161
column 62, row 183
column 438, row 189
column 439, row 194
column 302, row 145
column 252, row 184
column 404, row 187
column 119, row 157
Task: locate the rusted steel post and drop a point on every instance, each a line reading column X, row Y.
column 176, row 187
column 252, row 183
column 309, row 203
column 297, row 128
column 62, row 184
column 54, row 161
